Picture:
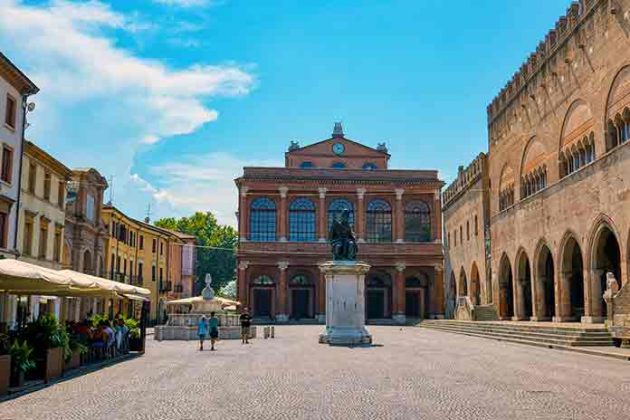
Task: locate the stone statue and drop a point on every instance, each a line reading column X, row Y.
column 341, row 237
column 207, row 293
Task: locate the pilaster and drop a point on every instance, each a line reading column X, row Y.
column 321, row 215
column 359, row 216
column 399, row 293
column 243, row 214
column 242, row 291
column 282, row 216
column 281, row 312
column 398, row 216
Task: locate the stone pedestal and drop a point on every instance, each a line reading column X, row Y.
column 345, row 303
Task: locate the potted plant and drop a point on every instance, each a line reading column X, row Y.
column 51, row 343
column 5, row 364
column 21, row 361
column 135, row 337
column 77, row 350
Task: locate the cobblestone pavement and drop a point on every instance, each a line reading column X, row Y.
column 411, row 373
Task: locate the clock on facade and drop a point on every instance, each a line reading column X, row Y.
column 338, row 148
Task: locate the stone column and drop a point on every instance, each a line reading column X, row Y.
column 283, row 215
column 593, row 306
column 538, row 300
column 398, row 217
column 399, row 294
column 281, row 310
column 436, row 211
column 563, row 298
column 439, row 291
column 519, row 310
column 359, row 215
column 321, row 298
column 322, row 211
column 242, row 291
column 243, row 214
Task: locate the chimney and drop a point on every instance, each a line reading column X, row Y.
column 337, row 130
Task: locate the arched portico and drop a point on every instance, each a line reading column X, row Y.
column 544, row 285
column 571, row 282
column 462, row 285
column 605, row 258
column 506, row 289
column 475, row 285
column 523, row 288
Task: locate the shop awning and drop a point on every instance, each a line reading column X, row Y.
column 21, row 277
column 108, row 285
column 135, row 297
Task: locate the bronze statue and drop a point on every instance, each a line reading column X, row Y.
column 341, row 237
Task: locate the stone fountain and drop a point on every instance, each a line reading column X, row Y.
column 183, row 326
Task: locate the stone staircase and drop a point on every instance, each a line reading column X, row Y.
column 539, row 334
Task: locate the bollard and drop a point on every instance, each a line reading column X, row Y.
column 273, row 332
column 266, row 332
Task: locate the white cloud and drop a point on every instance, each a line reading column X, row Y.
column 199, row 183
column 72, row 58
column 99, row 103
column 183, row 3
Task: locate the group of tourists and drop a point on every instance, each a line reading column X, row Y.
column 108, row 338
column 210, row 326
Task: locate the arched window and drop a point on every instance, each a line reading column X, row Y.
column 379, row 221
column 307, row 165
column 302, row 220
column 300, row 280
column 467, row 230
column 613, row 138
column 263, row 280
column 418, row 222
column 369, row 166
column 336, row 206
column 476, row 226
column 338, row 165
column 262, row 220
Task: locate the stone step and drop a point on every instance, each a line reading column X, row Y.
column 540, row 337
column 509, row 329
column 524, row 327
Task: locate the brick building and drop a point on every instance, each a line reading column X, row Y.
column 559, row 171
column 284, row 215
column 467, row 233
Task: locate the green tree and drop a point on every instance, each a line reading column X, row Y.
column 219, row 258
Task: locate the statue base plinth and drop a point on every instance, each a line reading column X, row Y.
column 345, row 303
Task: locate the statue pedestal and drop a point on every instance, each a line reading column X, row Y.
column 345, row 303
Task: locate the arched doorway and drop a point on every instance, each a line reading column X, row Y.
column 506, row 289
column 475, row 285
column 524, row 287
column 416, row 296
column 606, row 259
column 462, row 285
column 302, row 295
column 572, row 290
column 262, row 289
column 545, row 293
column 378, row 291
column 87, row 262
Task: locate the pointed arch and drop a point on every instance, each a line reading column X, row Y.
column 544, row 282
column 506, row 288
column 604, row 257
column 462, row 284
column 475, row 285
column 523, row 285
column 571, row 296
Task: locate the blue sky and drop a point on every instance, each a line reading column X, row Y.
column 172, row 97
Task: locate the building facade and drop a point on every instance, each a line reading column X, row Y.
column 145, row 255
column 465, row 206
column 85, row 232
column 559, row 170
column 284, row 218
column 15, row 88
column 43, row 208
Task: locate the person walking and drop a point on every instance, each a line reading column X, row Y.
column 246, row 322
column 213, row 323
column 202, row 330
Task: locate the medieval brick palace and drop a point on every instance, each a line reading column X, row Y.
column 285, row 213
column 534, row 226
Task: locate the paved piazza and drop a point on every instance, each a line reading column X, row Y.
column 410, row 373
